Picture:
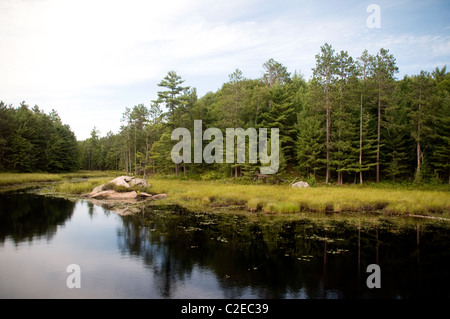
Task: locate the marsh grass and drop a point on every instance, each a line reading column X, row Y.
column 7, row 179
column 78, row 188
column 69, row 183
column 255, row 197
column 285, row 199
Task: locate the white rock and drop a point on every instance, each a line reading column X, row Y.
column 300, row 184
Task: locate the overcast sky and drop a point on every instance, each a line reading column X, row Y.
column 89, row 60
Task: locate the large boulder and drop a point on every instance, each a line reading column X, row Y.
column 125, row 181
column 111, row 194
column 104, row 192
column 300, row 184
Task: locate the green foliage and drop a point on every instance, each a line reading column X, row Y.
column 352, row 121
column 31, row 140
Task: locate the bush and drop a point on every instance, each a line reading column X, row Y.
column 311, row 181
column 211, row 175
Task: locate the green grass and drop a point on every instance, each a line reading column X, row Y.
column 264, row 198
column 78, row 188
column 7, row 179
column 285, row 199
column 69, row 183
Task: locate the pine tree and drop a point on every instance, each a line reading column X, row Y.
column 441, row 140
column 383, row 71
column 282, row 116
column 172, row 98
column 397, row 139
column 324, row 73
column 421, row 115
column 310, row 143
column 343, row 157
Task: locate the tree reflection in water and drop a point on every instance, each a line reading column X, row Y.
column 276, row 258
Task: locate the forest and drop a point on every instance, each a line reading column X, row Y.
column 353, row 121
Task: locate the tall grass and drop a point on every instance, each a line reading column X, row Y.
column 16, row 178
column 78, row 188
column 70, row 183
column 285, row 199
column 258, row 197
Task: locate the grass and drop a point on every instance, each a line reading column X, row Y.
column 256, row 197
column 78, row 188
column 69, row 183
column 7, row 179
column 285, row 199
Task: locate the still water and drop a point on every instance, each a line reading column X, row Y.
column 172, row 253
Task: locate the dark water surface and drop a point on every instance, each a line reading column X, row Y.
column 179, row 254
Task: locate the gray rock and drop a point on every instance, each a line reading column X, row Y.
column 300, row 184
column 111, row 194
column 121, row 181
column 159, row 196
column 138, row 182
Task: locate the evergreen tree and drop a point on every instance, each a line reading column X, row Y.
column 422, row 115
column 383, row 71
column 324, row 73
column 441, row 142
column 310, row 144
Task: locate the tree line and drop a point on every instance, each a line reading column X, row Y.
column 31, row 140
column 352, row 122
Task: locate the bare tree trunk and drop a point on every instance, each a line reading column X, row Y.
column 129, row 159
column 361, row 141
column 378, row 137
column 340, row 177
column 125, row 158
column 327, row 177
column 328, row 124
column 135, row 151
column 419, row 153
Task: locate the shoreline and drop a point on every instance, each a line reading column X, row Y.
column 211, row 196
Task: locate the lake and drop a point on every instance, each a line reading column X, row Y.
column 168, row 252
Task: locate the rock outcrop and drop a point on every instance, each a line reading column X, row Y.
column 106, row 191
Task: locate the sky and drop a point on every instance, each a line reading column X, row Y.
column 89, row 60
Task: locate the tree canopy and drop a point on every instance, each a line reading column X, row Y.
column 353, row 121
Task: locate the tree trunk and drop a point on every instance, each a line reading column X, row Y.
column 340, row 178
column 125, row 158
column 419, row 153
column 328, row 124
column 146, row 155
column 378, row 137
column 360, row 141
column 129, row 159
column 135, row 151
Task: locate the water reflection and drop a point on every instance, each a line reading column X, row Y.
column 24, row 217
column 172, row 253
column 296, row 259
